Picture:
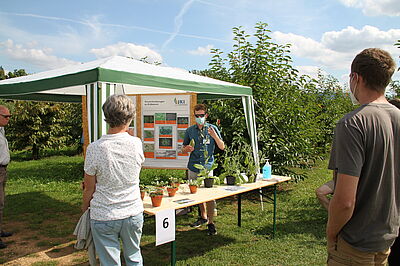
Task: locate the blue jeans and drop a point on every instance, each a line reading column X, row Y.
column 106, row 235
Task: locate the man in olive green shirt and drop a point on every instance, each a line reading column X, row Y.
column 364, row 211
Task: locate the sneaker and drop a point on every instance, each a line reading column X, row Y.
column 199, row 222
column 211, row 229
column 2, row 245
column 5, row 234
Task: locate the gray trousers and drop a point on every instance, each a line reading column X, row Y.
column 3, row 179
column 210, row 205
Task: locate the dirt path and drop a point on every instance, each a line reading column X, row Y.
column 26, row 247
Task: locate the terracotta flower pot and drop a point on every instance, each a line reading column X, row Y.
column 172, row 191
column 156, row 200
column 174, row 184
column 142, row 193
column 193, row 189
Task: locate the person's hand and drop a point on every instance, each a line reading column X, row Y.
column 189, row 148
column 212, row 132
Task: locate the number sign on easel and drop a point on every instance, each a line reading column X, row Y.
column 165, row 227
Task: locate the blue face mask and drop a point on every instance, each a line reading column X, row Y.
column 200, row 120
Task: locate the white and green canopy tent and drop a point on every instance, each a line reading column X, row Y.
column 101, row 78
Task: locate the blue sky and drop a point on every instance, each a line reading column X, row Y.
column 326, row 34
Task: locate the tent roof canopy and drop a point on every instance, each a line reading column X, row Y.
column 131, row 76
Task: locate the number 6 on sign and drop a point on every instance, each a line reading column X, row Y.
column 165, row 227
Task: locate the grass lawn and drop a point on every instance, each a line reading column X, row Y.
column 43, row 205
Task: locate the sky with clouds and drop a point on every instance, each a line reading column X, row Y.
column 324, row 34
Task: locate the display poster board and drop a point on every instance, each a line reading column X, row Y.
column 161, row 122
column 164, row 120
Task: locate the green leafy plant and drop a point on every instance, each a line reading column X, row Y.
column 204, row 171
column 159, row 183
column 231, row 165
column 174, row 181
column 154, row 191
column 195, row 182
column 142, row 187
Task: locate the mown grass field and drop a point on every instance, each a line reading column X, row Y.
column 44, row 198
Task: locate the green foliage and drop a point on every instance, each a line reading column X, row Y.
column 231, row 165
column 289, row 107
column 394, row 87
column 195, row 182
column 154, row 191
column 39, row 125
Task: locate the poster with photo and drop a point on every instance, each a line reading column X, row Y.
column 165, row 155
column 181, row 135
column 165, row 131
column 148, row 121
column 160, row 118
column 170, row 118
column 165, row 143
column 183, row 122
column 148, row 149
column 164, row 121
column 148, row 135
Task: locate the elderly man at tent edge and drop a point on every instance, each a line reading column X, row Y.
column 205, row 136
column 4, row 161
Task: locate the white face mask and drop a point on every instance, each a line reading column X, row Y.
column 352, row 97
column 200, row 120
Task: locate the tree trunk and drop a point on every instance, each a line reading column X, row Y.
column 35, row 152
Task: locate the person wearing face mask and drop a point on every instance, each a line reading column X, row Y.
column 364, row 212
column 205, row 136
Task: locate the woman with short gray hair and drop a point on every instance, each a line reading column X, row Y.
column 111, row 186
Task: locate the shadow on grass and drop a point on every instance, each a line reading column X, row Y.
column 61, row 252
column 308, row 219
column 189, row 244
column 26, row 155
column 48, row 170
column 39, row 222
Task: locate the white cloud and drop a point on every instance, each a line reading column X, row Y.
column 41, row 58
column 351, row 39
column 337, row 49
column 375, row 7
column 130, row 50
column 311, row 71
column 311, row 49
column 205, row 50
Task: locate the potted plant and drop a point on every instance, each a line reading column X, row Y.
column 205, row 172
column 194, row 184
column 174, row 181
column 142, row 191
column 172, row 189
column 159, row 183
column 156, row 195
column 231, row 165
column 251, row 169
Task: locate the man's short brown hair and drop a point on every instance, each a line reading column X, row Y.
column 376, row 66
column 199, row 107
